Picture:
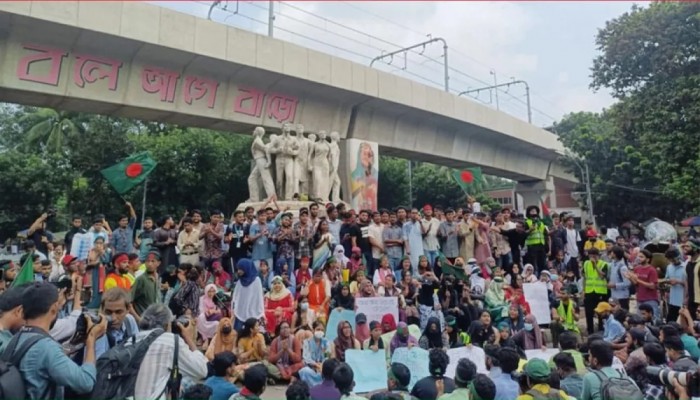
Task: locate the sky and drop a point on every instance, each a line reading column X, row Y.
column 550, row 45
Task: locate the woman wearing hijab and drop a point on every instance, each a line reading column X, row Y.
column 355, row 262
column 529, row 274
column 454, row 336
column 247, row 301
column 388, row 323
column 319, row 296
column 481, row 331
column 339, row 255
column 345, row 341
column 530, row 338
column 285, row 352
column 516, row 319
column 210, row 314
column 366, row 289
column 343, row 299
column 279, row 304
column 432, row 337
column 402, row 338
column 224, row 339
column 495, row 299
column 219, row 277
column 187, row 297
column 322, row 245
column 361, row 328
column 315, row 350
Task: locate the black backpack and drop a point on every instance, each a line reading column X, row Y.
column 118, row 368
column 11, row 381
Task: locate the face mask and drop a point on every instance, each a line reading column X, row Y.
column 528, row 327
column 498, row 279
column 304, row 306
column 318, row 334
column 226, row 330
column 555, row 277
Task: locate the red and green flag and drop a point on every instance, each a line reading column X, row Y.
column 129, row 173
column 26, row 273
column 470, row 179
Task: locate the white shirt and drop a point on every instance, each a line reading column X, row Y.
column 375, row 231
column 156, row 365
column 572, row 238
column 430, row 241
column 64, row 328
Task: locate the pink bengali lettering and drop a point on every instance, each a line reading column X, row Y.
column 55, row 56
column 196, row 88
column 282, row 108
column 158, row 80
column 89, row 69
column 253, row 96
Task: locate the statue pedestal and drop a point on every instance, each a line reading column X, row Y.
column 291, row 206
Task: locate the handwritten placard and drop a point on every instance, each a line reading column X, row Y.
column 536, row 295
column 376, row 307
column 369, row 368
column 475, row 354
column 416, row 359
column 541, row 354
column 335, row 318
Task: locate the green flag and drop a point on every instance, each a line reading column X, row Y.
column 26, row 273
column 130, row 172
column 470, row 179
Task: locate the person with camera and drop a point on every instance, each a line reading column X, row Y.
column 155, row 371
column 603, row 381
column 45, row 369
column 41, row 237
column 121, row 325
column 11, row 316
column 536, row 382
column 70, row 296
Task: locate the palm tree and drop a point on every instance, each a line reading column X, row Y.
column 51, row 128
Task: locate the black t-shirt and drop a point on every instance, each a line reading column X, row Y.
column 363, row 238
column 425, row 295
column 352, row 230
column 425, row 388
column 237, row 249
column 41, row 246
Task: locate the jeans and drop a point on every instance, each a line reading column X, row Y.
column 432, row 255
column 269, row 264
column 369, row 261
column 505, row 261
column 395, row 263
column 290, row 265
column 590, row 302
column 537, row 256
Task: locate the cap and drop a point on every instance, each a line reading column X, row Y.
column 374, row 325
column 603, row 307
column 68, row 259
column 545, row 272
column 591, row 233
column 471, row 261
column 450, row 320
column 361, row 318
column 537, row 368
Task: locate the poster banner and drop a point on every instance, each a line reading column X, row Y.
column 362, row 169
column 473, row 353
column 536, row 295
column 545, row 355
column 376, row 307
column 335, row 318
column 416, row 359
column 369, row 369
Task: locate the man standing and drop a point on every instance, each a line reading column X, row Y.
column 304, row 232
column 430, row 227
column 285, row 238
column 393, row 241
column 236, row 235
column 76, row 227
column 188, row 243
column 118, row 278
column 573, row 241
column 363, row 241
column 449, row 234
column 414, row 239
column 301, row 163
column 537, row 239
column 376, row 239
column 145, row 239
column 213, row 235
column 146, row 289
column 334, row 223
column 165, row 240
column 260, row 238
column 122, row 326
column 123, row 236
column 595, row 286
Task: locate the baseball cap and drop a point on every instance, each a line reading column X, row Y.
column 537, row 369
column 68, row 259
column 603, row 307
column 361, row 318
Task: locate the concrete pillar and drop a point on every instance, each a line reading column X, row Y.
column 534, row 193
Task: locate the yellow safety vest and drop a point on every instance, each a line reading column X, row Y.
column 536, row 237
column 594, row 283
column 567, row 316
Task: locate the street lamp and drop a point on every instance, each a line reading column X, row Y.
column 585, row 179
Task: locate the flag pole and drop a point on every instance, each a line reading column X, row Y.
column 143, row 204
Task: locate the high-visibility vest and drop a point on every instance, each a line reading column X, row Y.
column 536, row 237
column 567, row 316
column 121, row 281
column 594, row 283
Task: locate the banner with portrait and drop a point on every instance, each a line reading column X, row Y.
column 362, row 168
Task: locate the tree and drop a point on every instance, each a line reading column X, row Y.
column 51, row 129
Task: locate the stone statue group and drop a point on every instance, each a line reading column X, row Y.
column 304, row 167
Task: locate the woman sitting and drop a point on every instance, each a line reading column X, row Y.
column 375, row 341
column 303, row 317
column 356, row 280
column 187, row 297
column 409, row 292
column 345, row 341
column 220, row 278
column 343, row 299
column 454, row 336
column 432, row 337
column 315, row 350
column 495, row 298
column 366, row 289
column 223, row 340
column 319, row 296
column 302, row 275
column 279, row 305
column 266, row 276
column 402, row 338
column 210, row 314
column 382, row 272
column 251, row 343
column 285, row 351
column 388, row 323
column 530, row 338
column 482, row 332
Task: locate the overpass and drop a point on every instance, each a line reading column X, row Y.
column 143, row 61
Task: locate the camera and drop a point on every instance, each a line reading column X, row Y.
column 665, row 376
column 183, row 320
column 64, row 283
column 81, row 326
column 50, row 212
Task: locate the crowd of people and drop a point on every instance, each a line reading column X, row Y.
column 223, row 309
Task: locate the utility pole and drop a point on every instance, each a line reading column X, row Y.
column 410, row 184
column 495, row 86
column 585, row 179
column 422, row 44
column 519, row 82
column 271, row 19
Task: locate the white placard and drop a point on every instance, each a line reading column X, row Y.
column 475, row 354
column 545, row 355
column 536, row 295
column 376, row 307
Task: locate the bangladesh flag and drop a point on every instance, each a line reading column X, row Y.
column 26, row 273
column 129, row 173
column 470, row 179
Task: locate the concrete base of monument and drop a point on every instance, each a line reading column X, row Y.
column 292, row 206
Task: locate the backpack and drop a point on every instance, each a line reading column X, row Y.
column 622, row 388
column 118, row 368
column 11, row 380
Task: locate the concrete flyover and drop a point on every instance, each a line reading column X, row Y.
column 143, row 61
